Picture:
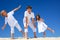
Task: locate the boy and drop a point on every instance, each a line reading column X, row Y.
column 29, row 21
column 9, row 18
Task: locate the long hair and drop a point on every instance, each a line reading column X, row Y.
column 38, row 16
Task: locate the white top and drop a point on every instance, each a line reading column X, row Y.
column 10, row 19
column 29, row 16
column 41, row 26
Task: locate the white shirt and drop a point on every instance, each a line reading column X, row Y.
column 41, row 26
column 10, row 19
column 29, row 16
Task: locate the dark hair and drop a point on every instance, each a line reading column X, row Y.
column 38, row 16
column 29, row 7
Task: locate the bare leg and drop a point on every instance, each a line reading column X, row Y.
column 35, row 35
column 26, row 35
column 22, row 33
column 50, row 30
column 44, row 34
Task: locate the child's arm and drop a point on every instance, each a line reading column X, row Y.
column 41, row 20
column 6, row 20
column 33, row 21
column 26, row 21
column 17, row 8
column 4, row 27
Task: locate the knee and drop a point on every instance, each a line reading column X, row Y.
column 34, row 30
column 26, row 30
column 25, row 27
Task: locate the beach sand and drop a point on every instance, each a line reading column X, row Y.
column 47, row 38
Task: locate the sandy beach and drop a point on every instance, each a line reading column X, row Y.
column 47, row 38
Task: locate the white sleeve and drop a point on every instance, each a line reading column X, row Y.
column 11, row 12
column 25, row 14
column 44, row 25
column 33, row 15
column 6, row 20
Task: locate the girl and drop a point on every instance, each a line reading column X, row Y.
column 42, row 27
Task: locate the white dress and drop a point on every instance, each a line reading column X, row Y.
column 41, row 26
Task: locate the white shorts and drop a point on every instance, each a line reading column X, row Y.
column 30, row 24
column 17, row 26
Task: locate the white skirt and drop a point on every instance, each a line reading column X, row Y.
column 42, row 27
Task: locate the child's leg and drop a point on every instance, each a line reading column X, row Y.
column 19, row 28
column 35, row 35
column 44, row 34
column 50, row 29
column 25, row 32
column 12, row 35
column 33, row 28
column 12, row 32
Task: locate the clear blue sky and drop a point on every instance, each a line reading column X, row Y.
column 48, row 9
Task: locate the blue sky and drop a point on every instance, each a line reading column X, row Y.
column 49, row 10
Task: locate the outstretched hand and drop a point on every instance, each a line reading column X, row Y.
column 2, row 28
column 19, row 6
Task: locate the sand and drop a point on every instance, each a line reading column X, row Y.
column 47, row 38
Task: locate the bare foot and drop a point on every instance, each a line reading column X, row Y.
column 44, row 36
column 35, row 36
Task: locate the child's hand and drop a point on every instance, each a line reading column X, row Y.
column 2, row 28
column 19, row 6
column 53, row 31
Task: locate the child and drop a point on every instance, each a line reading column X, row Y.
column 42, row 27
column 29, row 21
column 9, row 18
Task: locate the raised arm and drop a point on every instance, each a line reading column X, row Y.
column 17, row 8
